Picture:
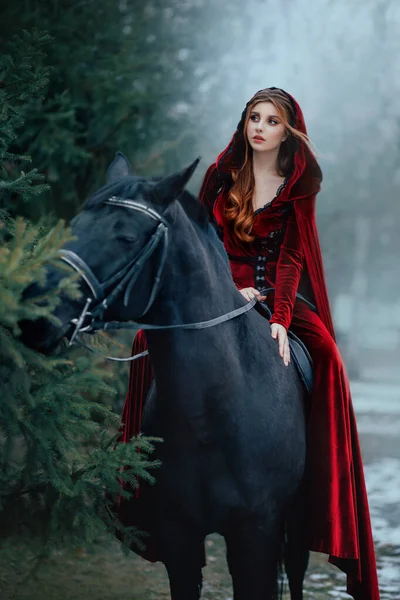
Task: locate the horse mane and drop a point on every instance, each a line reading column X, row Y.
column 193, row 208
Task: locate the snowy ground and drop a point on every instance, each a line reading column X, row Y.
column 377, row 407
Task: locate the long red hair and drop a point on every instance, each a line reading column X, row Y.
column 239, row 207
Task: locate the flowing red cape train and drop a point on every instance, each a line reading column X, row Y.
column 339, row 521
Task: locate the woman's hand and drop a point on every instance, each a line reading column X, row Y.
column 249, row 293
column 279, row 332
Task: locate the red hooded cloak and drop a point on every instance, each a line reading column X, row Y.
column 338, row 521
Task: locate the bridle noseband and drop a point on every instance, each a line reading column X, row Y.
column 122, row 282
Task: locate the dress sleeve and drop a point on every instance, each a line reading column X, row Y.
column 288, row 272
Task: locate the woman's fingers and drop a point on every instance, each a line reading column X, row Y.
column 281, row 340
column 284, row 349
column 250, row 293
column 279, row 332
column 286, row 352
column 257, row 294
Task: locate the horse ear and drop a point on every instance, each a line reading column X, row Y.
column 171, row 186
column 120, row 167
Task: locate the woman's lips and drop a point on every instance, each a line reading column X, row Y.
column 258, row 139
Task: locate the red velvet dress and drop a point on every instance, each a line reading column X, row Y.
column 286, row 255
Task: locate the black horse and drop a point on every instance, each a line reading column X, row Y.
column 230, row 413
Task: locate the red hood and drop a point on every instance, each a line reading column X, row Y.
column 306, row 176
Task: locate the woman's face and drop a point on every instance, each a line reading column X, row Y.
column 265, row 130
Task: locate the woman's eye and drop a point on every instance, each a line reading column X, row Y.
column 255, row 119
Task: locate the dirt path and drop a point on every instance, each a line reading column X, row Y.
column 107, row 574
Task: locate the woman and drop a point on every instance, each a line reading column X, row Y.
column 260, row 193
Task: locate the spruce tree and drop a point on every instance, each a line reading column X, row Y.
column 115, row 87
column 20, row 82
column 60, row 465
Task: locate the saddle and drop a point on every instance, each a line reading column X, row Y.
column 298, row 352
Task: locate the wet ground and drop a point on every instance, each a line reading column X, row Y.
column 377, row 407
column 106, row 574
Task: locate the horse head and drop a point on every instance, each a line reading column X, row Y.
column 119, row 249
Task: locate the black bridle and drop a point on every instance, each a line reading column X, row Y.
column 104, row 294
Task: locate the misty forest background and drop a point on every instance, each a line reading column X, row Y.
column 165, row 81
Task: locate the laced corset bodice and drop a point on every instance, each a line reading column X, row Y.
column 254, row 264
column 274, row 259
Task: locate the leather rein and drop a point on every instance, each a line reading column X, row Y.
column 91, row 320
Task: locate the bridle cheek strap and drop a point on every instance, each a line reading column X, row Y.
column 84, row 271
column 161, row 234
column 120, row 282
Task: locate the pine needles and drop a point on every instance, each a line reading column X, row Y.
column 60, row 466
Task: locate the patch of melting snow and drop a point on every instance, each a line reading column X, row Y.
column 389, row 574
column 387, row 425
column 376, row 389
column 382, row 398
column 319, row 576
column 383, row 481
column 383, row 486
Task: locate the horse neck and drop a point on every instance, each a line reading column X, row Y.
column 197, row 282
column 197, row 286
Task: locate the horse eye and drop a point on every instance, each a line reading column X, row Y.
column 126, row 238
column 121, row 232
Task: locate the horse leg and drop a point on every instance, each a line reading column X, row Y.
column 181, row 551
column 296, row 553
column 253, row 552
